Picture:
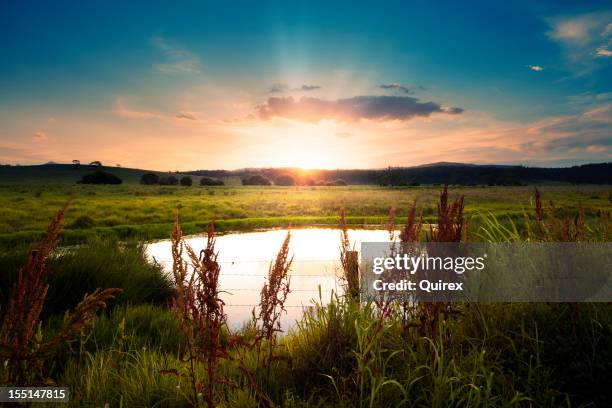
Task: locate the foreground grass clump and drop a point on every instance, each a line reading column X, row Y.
column 99, row 264
column 343, row 355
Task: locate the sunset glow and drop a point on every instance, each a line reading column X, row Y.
column 309, row 89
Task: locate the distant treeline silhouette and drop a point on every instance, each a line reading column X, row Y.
column 442, row 173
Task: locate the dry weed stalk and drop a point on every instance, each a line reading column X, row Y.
column 349, row 261
column 199, row 308
column 274, row 292
column 272, row 301
column 450, row 228
column 555, row 229
column 22, row 347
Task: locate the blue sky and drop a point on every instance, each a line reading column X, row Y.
column 227, row 85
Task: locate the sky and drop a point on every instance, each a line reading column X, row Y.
column 331, row 84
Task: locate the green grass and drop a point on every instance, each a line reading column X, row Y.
column 99, row 264
column 145, row 212
column 543, row 355
column 491, row 355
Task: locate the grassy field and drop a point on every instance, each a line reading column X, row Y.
column 145, row 212
column 140, row 351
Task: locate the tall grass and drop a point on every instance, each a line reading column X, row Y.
column 341, row 352
column 23, row 348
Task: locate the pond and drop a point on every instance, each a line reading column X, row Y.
column 245, row 259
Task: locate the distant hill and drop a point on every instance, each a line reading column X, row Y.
column 435, row 173
column 66, row 173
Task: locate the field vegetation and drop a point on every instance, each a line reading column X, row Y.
column 165, row 343
column 133, row 211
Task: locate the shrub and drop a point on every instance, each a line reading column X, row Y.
column 149, row 179
column 100, row 177
column 284, row 180
column 168, row 181
column 186, row 181
column 208, row 181
column 256, row 180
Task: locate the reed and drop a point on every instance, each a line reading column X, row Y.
column 349, row 261
column 199, row 308
column 23, row 348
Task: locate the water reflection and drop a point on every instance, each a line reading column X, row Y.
column 245, row 259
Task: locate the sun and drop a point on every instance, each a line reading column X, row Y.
column 302, row 145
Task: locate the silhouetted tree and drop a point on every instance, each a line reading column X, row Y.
column 186, row 181
column 149, row 179
column 168, row 181
column 96, row 163
column 209, row 181
column 256, row 180
column 284, row 180
column 76, row 163
column 100, row 177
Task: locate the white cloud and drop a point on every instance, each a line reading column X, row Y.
column 536, row 68
column 603, row 52
column 583, row 38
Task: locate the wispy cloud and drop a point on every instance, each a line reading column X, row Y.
column 401, row 88
column 40, row 136
column 278, row 88
column 178, row 60
column 309, row 87
column 584, row 38
column 281, row 88
column 123, row 109
column 372, row 107
column 536, row 68
column 186, row 116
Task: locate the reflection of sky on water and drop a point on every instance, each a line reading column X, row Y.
column 245, row 259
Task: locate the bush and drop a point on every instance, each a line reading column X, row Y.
column 256, row 180
column 149, row 179
column 100, row 177
column 208, row 181
column 168, row 181
column 186, row 181
column 284, row 180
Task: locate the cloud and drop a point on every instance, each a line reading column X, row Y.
column 584, row 39
column 121, row 109
column 589, row 132
column 280, row 88
column 178, row 59
column 343, row 135
column 309, row 87
column 401, row 88
column 40, row 136
column 186, row 116
column 603, row 52
column 372, row 107
column 536, row 68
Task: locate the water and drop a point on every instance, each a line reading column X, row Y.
column 245, row 259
